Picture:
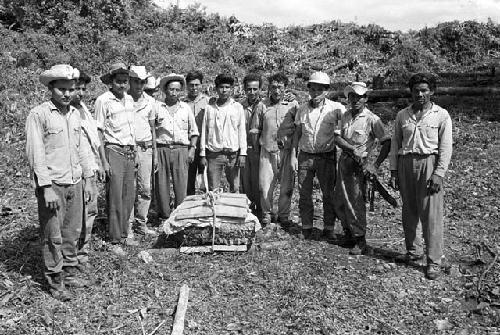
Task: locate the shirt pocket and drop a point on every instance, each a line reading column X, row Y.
column 431, row 133
column 359, row 136
column 54, row 137
column 117, row 119
column 235, row 121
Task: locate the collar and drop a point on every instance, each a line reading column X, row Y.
column 363, row 113
column 53, row 108
column 197, row 99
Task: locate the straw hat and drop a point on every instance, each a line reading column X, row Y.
column 319, row 78
column 172, row 77
column 139, row 72
column 57, row 72
column 114, row 69
column 358, row 88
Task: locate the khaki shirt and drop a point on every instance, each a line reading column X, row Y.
column 198, row 106
column 176, row 124
column 432, row 134
column 224, row 128
column 276, row 122
column 56, row 150
column 318, row 126
column 362, row 130
column 89, row 127
column 116, row 118
column 144, row 111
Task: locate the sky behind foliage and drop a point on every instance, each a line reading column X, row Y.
column 391, row 14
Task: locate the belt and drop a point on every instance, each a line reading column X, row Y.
column 144, row 144
column 124, row 147
column 171, row 145
column 224, row 151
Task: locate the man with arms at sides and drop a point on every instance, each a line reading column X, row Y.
column 223, row 136
column 252, row 106
column 275, row 127
column 91, row 135
column 59, row 157
column 198, row 102
column 359, row 128
column 145, row 140
column 316, row 122
column 176, row 136
column 116, row 123
column 421, row 151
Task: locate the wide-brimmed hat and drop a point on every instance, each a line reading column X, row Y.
column 319, row 78
column 57, row 72
column 139, row 72
column 151, row 83
column 172, row 77
column 356, row 87
column 114, row 69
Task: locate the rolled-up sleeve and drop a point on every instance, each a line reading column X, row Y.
column 35, row 150
column 100, row 113
column 242, row 134
column 445, row 146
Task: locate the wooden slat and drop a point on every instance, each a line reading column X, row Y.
column 208, row 248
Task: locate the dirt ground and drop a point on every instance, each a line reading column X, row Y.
column 300, row 287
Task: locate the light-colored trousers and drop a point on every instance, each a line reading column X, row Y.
column 143, row 186
column 276, row 166
column 90, row 212
column 418, row 206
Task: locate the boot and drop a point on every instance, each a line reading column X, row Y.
column 72, row 278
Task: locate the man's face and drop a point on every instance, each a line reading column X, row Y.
column 224, row 91
column 119, row 84
column 62, row 91
column 276, row 90
column 252, row 90
column 421, row 93
column 193, row 88
column 136, row 86
column 357, row 102
column 80, row 92
column 317, row 91
column 173, row 90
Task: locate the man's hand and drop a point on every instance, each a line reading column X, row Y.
column 191, row 153
column 295, row 163
column 435, row 184
column 51, row 199
column 394, row 183
column 241, row 161
column 101, row 175
column 155, row 161
column 89, row 190
column 203, row 161
column 107, row 169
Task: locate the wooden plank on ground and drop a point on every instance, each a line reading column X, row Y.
column 178, row 326
column 208, row 248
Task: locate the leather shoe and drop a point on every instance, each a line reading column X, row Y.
column 433, row 271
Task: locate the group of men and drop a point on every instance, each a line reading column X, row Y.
column 136, row 143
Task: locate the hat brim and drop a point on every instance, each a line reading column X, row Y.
column 47, row 79
column 168, row 79
column 132, row 74
column 358, row 91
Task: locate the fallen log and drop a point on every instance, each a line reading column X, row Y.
column 178, row 327
column 405, row 93
column 216, row 247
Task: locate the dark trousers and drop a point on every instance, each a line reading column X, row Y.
column 323, row 167
column 120, row 192
column 218, row 162
column 250, row 179
column 172, row 167
column 195, row 168
column 60, row 229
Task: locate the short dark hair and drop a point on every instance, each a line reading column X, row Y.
column 252, row 77
column 420, row 78
column 84, row 78
column 278, row 77
column 193, row 75
column 224, row 78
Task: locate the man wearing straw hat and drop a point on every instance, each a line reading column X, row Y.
column 59, row 156
column 151, row 87
column 316, row 122
column 145, row 140
column 116, row 123
column 359, row 128
column 198, row 102
column 176, row 136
